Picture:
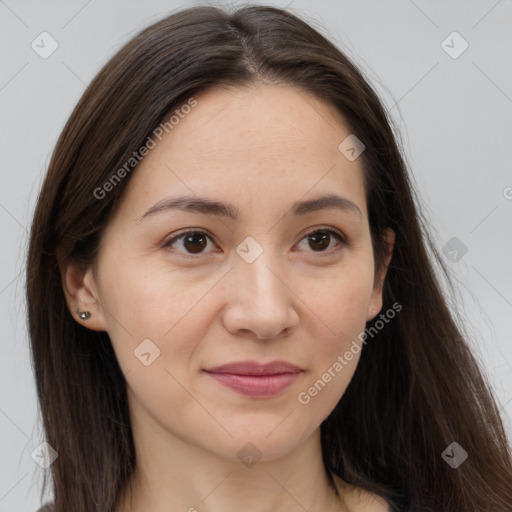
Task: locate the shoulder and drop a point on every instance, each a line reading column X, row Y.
column 357, row 499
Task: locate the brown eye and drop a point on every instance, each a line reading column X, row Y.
column 320, row 239
column 193, row 242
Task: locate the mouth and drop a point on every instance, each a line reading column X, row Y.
column 256, row 380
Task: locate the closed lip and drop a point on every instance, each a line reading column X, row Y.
column 254, row 368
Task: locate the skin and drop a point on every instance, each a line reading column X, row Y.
column 260, row 148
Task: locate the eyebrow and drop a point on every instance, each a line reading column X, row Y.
column 206, row 206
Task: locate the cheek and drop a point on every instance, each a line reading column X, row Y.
column 154, row 329
column 159, row 291
column 338, row 312
column 150, row 302
column 339, row 303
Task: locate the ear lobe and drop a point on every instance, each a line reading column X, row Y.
column 376, row 297
column 81, row 295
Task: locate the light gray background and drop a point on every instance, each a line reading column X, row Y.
column 454, row 116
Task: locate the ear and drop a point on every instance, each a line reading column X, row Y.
column 376, row 298
column 81, row 294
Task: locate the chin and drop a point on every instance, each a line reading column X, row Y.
column 263, row 444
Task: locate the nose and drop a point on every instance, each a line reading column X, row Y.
column 260, row 302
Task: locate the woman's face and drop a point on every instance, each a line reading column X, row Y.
column 250, row 284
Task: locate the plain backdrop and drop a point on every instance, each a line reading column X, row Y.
column 453, row 112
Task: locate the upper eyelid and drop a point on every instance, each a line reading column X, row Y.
column 177, row 236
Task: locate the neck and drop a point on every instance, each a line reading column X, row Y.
column 172, row 474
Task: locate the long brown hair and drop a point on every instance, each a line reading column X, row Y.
column 417, row 388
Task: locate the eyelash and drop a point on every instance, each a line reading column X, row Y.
column 335, row 233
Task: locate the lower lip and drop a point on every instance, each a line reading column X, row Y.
column 254, row 385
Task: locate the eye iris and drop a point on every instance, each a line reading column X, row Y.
column 323, row 237
column 196, row 248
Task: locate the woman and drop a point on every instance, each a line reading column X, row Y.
column 229, row 294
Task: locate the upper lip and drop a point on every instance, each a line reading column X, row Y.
column 255, row 368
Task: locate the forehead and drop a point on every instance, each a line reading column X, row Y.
column 252, row 145
column 260, row 118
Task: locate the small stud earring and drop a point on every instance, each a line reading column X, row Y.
column 84, row 315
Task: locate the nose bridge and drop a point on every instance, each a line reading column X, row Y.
column 258, row 272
